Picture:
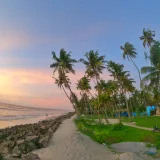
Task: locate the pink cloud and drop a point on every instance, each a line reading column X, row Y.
column 35, row 87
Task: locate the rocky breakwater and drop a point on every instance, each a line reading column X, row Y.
column 18, row 141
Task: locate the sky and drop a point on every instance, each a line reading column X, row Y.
column 31, row 30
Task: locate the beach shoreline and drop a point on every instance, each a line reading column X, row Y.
column 17, row 141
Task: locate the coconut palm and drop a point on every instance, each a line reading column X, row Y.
column 153, row 75
column 94, row 64
column 62, row 82
column 83, row 84
column 129, row 52
column 155, row 53
column 153, row 72
column 116, row 70
column 64, row 63
column 147, row 37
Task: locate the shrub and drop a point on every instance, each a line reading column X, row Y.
column 101, row 135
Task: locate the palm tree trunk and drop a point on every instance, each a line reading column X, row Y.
column 74, row 105
column 139, row 78
column 137, row 70
column 65, row 92
column 129, row 116
column 98, row 102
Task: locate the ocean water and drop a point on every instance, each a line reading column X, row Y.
column 11, row 115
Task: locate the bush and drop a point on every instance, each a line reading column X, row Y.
column 100, row 136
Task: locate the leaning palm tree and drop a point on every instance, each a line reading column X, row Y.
column 129, row 52
column 63, row 82
column 62, row 65
column 147, row 37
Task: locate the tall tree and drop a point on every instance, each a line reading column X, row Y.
column 63, row 65
column 94, row 64
column 129, row 52
column 94, row 67
column 147, row 37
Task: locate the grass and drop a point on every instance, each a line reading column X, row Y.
column 110, row 134
column 148, row 122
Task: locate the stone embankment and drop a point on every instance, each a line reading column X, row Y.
column 18, row 141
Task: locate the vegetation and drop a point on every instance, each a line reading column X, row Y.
column 110, row 134
column 105, row 98
column 150, row 122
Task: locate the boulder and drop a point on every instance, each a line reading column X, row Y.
column 32, row 138
column 20, row 141
column 30, row 146
column 23, row 148
column 50, row 132
column 31, row 156
column 16, row 152
column 43, row 141
column 11, row 144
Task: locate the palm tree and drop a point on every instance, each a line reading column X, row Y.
column 127, row 86
column 64, row 64
column 120, row 77
column 153, row 75
column 94, row 67
column 94, row 64
column 155, row 53
column 84, row 86
column 147, row 37
column 153, row 72
column 62, row 82
column 129, row 52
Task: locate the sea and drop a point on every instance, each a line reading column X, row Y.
column 11, row 115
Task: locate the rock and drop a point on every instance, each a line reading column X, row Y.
column 23, row 148
column 50, row 132
column 11, row 144
column 30, row 146
column 42, row 129
column 136, row 147
column 10, row 157
column 20, row 142
column 16, row 152
column 31, row 156
column 32, row 138
column 43, row 142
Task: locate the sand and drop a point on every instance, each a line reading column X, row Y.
column 69, row 144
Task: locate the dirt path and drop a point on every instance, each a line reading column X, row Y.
column 113, row 121
column 69, row 144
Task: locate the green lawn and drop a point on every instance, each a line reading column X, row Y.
column 148, row 122
column 110, row 134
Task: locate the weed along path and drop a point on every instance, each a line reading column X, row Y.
column 68, row 143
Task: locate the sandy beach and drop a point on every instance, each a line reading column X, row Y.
column 69, row 144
